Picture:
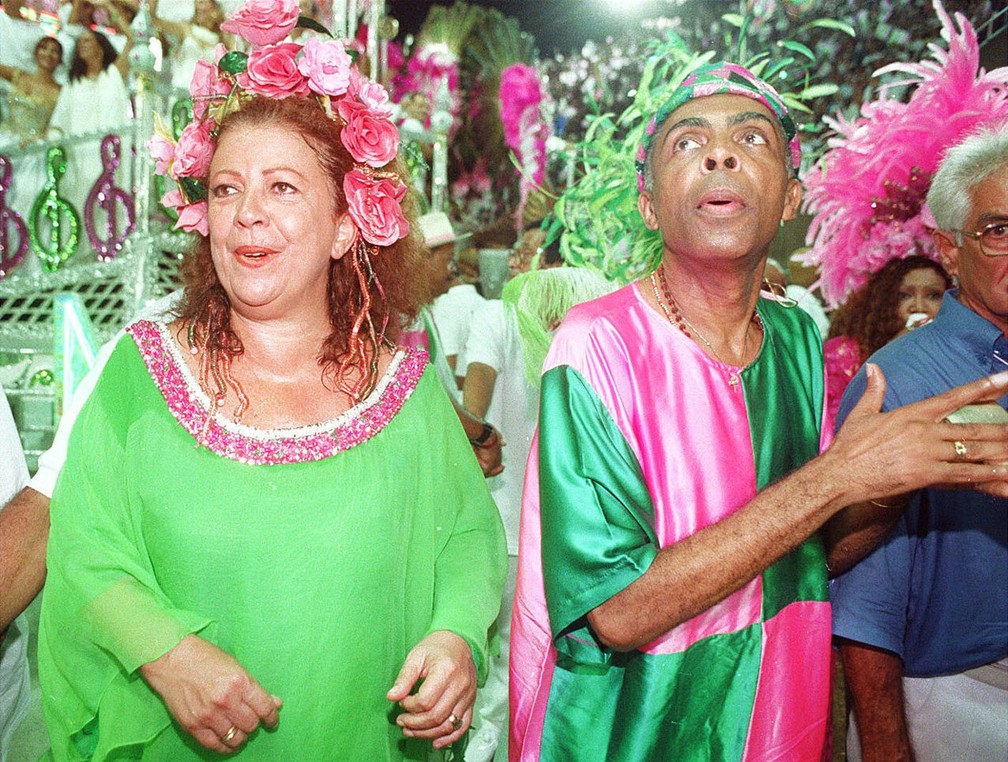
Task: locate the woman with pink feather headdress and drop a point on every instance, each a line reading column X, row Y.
column 867, row 193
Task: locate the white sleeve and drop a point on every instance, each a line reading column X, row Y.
column 13, row 470
column 51, row 461
column 487, row 333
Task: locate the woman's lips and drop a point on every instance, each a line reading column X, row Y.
column 253, row 254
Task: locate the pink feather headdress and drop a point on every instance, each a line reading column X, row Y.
column 867, row 194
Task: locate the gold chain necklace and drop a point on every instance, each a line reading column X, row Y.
column 674, row 315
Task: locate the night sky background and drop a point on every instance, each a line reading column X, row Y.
column 557, row 25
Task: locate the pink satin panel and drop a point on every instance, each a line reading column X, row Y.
column 784, row 705
column 532, row 656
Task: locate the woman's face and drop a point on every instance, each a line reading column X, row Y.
column 89, row 51
column 920, row 292
column 48, row 55
column 273, row 226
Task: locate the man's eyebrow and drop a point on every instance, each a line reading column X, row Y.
column 995, row 217
column 747, row 116
column 690, row 121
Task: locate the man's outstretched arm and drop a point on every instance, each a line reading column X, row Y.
column 874, row 454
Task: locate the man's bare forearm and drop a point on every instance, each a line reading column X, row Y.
column 875, row 681
column 24, row 532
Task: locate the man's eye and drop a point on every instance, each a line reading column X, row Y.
column 686, row 143
column 998, row 231
column 754, row 137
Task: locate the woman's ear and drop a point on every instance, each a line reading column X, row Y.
column 346, row 236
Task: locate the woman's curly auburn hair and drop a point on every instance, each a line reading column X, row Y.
column 372, row 293
column 871, row 314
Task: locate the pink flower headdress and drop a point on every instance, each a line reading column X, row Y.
column 321, row 69
column 867, row 195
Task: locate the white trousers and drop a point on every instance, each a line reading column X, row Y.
column 15, row 686
column 951, row 719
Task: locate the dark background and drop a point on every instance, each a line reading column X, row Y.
column 556, row 25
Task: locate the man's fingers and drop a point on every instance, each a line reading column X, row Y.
column 982, row 390
column 874, row 394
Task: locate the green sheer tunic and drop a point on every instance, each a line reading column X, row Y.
column 318, row 575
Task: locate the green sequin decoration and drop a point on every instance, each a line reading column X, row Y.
column 64, row 222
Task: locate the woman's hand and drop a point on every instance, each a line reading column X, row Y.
column 442, row 708
column 210, row 694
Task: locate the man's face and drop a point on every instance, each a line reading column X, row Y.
column 721, row 185
column 983, row 280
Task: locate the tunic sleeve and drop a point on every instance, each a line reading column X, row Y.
column 597, row 534
column 471, row 566
column 101, row 591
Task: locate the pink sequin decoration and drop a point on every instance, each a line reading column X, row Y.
column 247, row 445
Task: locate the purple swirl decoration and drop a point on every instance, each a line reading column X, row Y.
column 107, row 197
column 10, row 256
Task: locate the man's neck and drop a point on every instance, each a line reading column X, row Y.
column 718, row 300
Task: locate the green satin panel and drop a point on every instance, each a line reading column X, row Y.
column 785, row 402
column 585, row 461
column 586, row 716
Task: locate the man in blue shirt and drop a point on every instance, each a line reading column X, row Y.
column 923, row 620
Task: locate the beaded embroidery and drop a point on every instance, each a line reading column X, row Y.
column 194, row 411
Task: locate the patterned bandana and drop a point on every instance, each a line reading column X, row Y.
column 714, row 79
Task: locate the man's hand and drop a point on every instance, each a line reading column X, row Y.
column 883, row 454
column 210, row 694
column 490, row 454
column 442, row 708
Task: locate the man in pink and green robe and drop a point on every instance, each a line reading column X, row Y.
column 643, row 440
column 646, row 439
column 671, row 593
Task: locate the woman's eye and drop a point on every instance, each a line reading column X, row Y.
column 222, row 190
column 905, row 296
column 285, row 188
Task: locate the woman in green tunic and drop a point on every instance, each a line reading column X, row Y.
column 270, row 537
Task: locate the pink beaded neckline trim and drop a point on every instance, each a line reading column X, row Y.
column 192, row 408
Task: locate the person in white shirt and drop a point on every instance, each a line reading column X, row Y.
column 502, row 361
column 14, row 683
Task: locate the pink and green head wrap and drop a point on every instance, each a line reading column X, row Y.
column 716, row 79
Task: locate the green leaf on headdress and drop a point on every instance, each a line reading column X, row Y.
column 735, row 19
column 304, row 22
column 194, row 190
column 234, row 62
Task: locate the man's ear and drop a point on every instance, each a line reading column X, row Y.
column 346, row 236
column 792, row 200
column 645, row 205
column 948, row 251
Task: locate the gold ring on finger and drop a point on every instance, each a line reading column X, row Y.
column 455, row 721
column 232, row 732
column 960, row 449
